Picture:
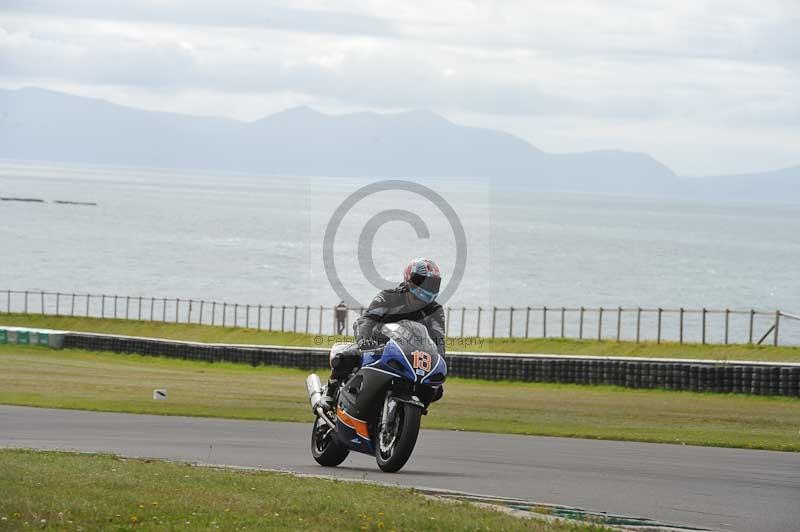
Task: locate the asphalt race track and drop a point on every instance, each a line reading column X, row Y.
column 703, row 487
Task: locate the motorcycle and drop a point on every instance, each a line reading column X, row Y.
column 379, row 406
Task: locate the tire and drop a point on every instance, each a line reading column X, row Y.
column 325, row 448
column 393, row 459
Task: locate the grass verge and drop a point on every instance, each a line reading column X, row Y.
column 65, row 491
column 37, row 376
column 207, row 333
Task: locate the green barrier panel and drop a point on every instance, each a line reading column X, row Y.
column 3, row 336
column 44, row 339
column 23, row 337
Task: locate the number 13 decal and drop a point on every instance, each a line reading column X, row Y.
column 422, row 360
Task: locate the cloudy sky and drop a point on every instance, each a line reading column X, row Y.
column 704, row 86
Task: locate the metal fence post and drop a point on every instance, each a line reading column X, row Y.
column 127, row 305
column 26, row 301
column 447, row 321
column 140, row 308
column 103, row 306
column 463, row 311
column 600, row 324
column 308, row 313
column 213, row 312
column 619, row 323
column 164, row 310
column 658, row 333
column 544, row 322
column 42, row 302
column 189, row 315
column 8, row 301
column 580, row 324
column 750, row 336
column 202, row 304
column 320, row 319
column 235, row 315
column 270, row 319
column 224, row 312
column 527, row 320
column 294, row 319
column 72, row 306
column 510, row 321
column 777, row 324
column 638, row 323
column 494, row 319
column 58, row 303
column 258, row 317
column 152, row 304
column 115, row 306
column 704, row 326
column 563, row 311
column 478, row 325
column 681, row 325
column 87, row 304
column 727, row 320
column 283, row 317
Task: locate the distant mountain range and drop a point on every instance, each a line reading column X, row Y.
column 38, row 124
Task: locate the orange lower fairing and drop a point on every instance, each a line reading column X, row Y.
column 356, row 424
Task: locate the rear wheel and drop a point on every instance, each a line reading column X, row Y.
column 325, row 448
column 398, row 436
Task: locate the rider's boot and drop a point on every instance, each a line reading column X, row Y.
column 328, row 399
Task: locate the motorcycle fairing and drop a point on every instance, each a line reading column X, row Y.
column 353, row 432
column 398, row 357
column 359, row 399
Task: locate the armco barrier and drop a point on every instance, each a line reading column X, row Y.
column 28, row 336
column 672, row 374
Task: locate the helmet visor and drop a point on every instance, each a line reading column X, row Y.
column 431, row 284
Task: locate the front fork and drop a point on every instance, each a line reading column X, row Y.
column 389, row 411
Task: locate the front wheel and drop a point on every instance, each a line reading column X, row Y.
column 325, row 448
column 398, row 436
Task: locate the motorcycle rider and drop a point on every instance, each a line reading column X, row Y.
column 414, row 299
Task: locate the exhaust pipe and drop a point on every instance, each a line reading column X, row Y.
column 314, row 388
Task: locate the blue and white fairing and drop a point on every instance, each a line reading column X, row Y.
column 410, row 353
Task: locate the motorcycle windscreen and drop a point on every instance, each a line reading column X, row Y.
column 410, row 336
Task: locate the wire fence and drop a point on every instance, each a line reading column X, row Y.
column 683, row 325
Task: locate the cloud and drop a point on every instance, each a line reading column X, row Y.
column 355, row 71
column 231, row 13
column 706, row 64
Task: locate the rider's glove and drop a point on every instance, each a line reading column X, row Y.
column 438, row 394
column 368, row 344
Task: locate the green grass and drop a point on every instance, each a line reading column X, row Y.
column 206, row 333
column 37, row 376
column 65, row 491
